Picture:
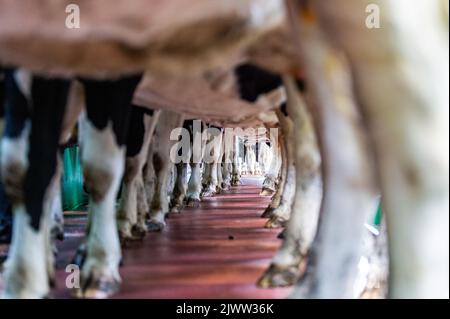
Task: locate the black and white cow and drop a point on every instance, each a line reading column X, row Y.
column 35, row 113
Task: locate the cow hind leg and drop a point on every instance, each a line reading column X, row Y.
column 226, row 183
column 29, row 180
column 276, row 198
column 162, row 145
column 408, row 117
column 180, row 190
column 194, row 186
column 349, row 186
column 212, row 157
column 280, row 215
column 144, row 190
column 210, row 180
column 103, row 157
column 286, row 268
column 137, row 145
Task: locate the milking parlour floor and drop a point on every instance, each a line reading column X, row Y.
column 215, row 251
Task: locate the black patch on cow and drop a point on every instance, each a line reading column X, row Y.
column 148, row 111
column 301, row 86
column 136, row 131
column 17, row 110
column 254, row 81
column 188, row 125
column 49, row 98
column 110, row 101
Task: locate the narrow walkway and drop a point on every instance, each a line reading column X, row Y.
column 215, row 251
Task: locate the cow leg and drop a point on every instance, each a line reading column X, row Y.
column 226, row 175
column 301, row 228
column 250, row 160
column 194, row 185
column 212, row 157
column 236, row 174
column 143, row 200
column 212, row 181
column 181, row 180
column 276, row 199
column 402, row 76
column 181, row 185
column 281, row 214
column 29, row 171
column 138, row 140
column 57, row 214
column 195, row 180
column 149, row 176
column 108, row 105
column 227, row 147
column 162, row 163
column 349, row 187
column 270, row 180
column 56, row 228
column 219, row 175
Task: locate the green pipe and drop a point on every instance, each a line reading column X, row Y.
column 73, row 195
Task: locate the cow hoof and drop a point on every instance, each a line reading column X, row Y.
column 282, row 234
column 99, row 288
column 208, row 194
column 266, row 192
column 80, row 256
column 275, row 222
column 177, row 208
column 279, row 276
column 155, row 226
column 129, row 238
column 16, row 284
column 268, row 212
column 57, row 229
column 236, row 183
column 193, row 203
column 138, row 231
